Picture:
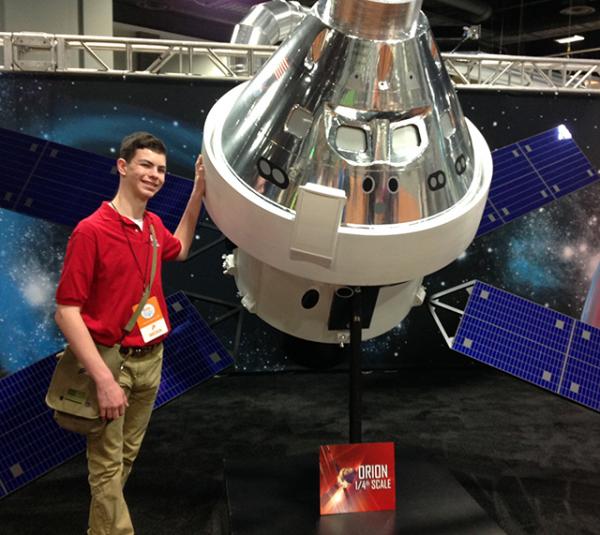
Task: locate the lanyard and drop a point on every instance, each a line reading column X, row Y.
column 147, row 287
column 143, row 272
column 146, row 294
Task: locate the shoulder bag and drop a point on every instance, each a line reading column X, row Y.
column 72, row 392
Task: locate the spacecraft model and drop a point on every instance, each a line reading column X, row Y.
column 345, row 162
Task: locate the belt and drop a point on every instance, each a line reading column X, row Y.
column 133, row 351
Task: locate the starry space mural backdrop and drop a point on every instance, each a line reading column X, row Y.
column 548, row 256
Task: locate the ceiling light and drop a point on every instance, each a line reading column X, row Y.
column 578, row 11
column 571, row 39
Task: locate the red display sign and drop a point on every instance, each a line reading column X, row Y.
column 357, row 478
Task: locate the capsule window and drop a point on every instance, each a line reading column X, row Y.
column 279, row 177
column 299, row 122
column 393, row 184
column 436, row 180
column 351, row 139
column 345, row 292
column 272, row 173
column 460, row 164
column 405, row 138
column 310, row 299
column 368, row 184
column 264, row 167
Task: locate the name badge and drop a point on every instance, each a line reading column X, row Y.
column 151, row 321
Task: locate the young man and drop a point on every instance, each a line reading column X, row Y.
column 107, row 267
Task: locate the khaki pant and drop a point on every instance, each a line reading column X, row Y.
column 111, row 455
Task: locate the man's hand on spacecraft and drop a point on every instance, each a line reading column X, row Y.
column 199, row 182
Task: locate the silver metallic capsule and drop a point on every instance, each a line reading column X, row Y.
column 345, row 161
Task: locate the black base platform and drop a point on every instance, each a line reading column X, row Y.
column 280, row 496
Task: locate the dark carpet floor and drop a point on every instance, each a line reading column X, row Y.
column 530, row 459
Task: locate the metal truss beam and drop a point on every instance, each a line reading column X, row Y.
column 522, row 73
column 77, row 54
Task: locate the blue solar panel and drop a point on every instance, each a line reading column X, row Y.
column 194, row 353
column 170, row 202
column 63, row 185
column 490, row 220
column 31, row 443
column 19, row 156
column 532, row 342
column 558, row 160
column 532, row 173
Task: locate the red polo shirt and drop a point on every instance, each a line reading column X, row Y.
column 107, row 265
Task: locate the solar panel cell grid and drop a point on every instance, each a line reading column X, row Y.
column 490, row 220
column 68, row 206
column 34, row 447
column 520, row 189
column 63, row 184
column 563, row 182
column 534, row 172
column 30, row 441
column 521, row 317
column 512, row 354
column 20, row 399
column 581, row 384
column 171, row 201
column 512, row 166
column 585, row 345
column 194, row 353
column 18, row 159
column 95, row 175
column 532, row 342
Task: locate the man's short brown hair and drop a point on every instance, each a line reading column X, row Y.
column 140, row 140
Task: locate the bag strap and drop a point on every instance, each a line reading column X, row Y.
column 130, row 324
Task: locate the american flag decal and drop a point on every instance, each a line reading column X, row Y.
column 281, row 68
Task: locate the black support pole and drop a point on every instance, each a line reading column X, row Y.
column 355, row 368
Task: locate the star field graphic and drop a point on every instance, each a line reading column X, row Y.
column 91, row 116
column 30, row 276
column 52, row 110
column 548, row 256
